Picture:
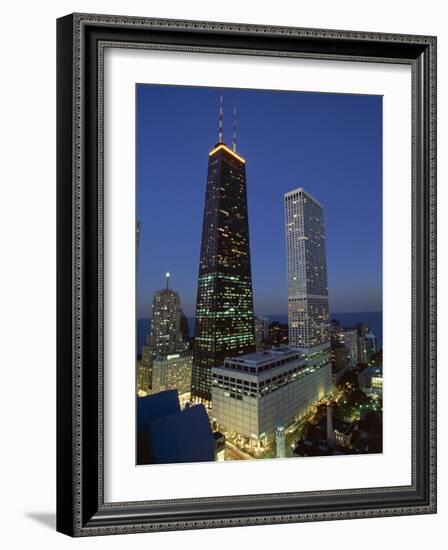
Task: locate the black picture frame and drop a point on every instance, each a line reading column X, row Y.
column 81, row 510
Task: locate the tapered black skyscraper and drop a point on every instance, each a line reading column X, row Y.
column 224, row 309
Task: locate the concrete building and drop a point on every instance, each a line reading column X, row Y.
column 172, row 371
column 306, row 270
column 250, row 393
column 308, row 319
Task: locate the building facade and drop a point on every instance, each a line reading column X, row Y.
column 306, row 270
column 371, row 381
column 224, row 307
column 261, row 331
column 172, row 371
column 308, row 315
column 370, row 345
column 277, row 333
column 144, row 369
column 349, row 338
column 258, row 394
column 166, row 336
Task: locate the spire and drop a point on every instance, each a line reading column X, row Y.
column 167, row 275
column 221, row 111
column 234, row 129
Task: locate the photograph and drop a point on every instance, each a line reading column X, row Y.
column 258, row 300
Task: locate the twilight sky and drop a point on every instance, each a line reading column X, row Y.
column 330, row 144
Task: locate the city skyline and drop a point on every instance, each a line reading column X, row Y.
column 244, row 397
column 354, row 252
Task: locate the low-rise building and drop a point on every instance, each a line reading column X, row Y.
column 172, row 371
column 371, row 381
column 251, row 392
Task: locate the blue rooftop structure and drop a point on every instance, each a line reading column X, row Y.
column 185, row 436
column 167, row 434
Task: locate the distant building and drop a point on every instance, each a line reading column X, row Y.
column 340, row 361
column 144, row 379
column 172, row 371
column 349, row 338
column 361, row 348
column 331, row 435
column 261, row 331
column 366, row 345
column 224, row 307
column 362, row 328
column 335, row 332
column 184, row 327
column 165, row 336
column 277, row 334
column 343, row 432
column 250, row 393
column 370, row 345
column 144, row 370
column 164, row 342
column 371, row 381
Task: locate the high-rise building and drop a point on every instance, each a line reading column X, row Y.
column 307, row 270
column 224, row 308
column 165, row 336
column 308, row 320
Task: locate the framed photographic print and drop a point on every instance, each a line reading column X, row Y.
column 246, row 274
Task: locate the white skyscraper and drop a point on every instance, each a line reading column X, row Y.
column 308, row 319
column 307, row 270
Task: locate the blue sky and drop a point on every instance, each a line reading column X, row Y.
column 330, row 144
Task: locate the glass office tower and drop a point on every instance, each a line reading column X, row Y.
column 224, row 308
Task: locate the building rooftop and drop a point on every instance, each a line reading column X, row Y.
column 283, row 357
column 373, row 371
column 265, row 356
column 302, row 190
